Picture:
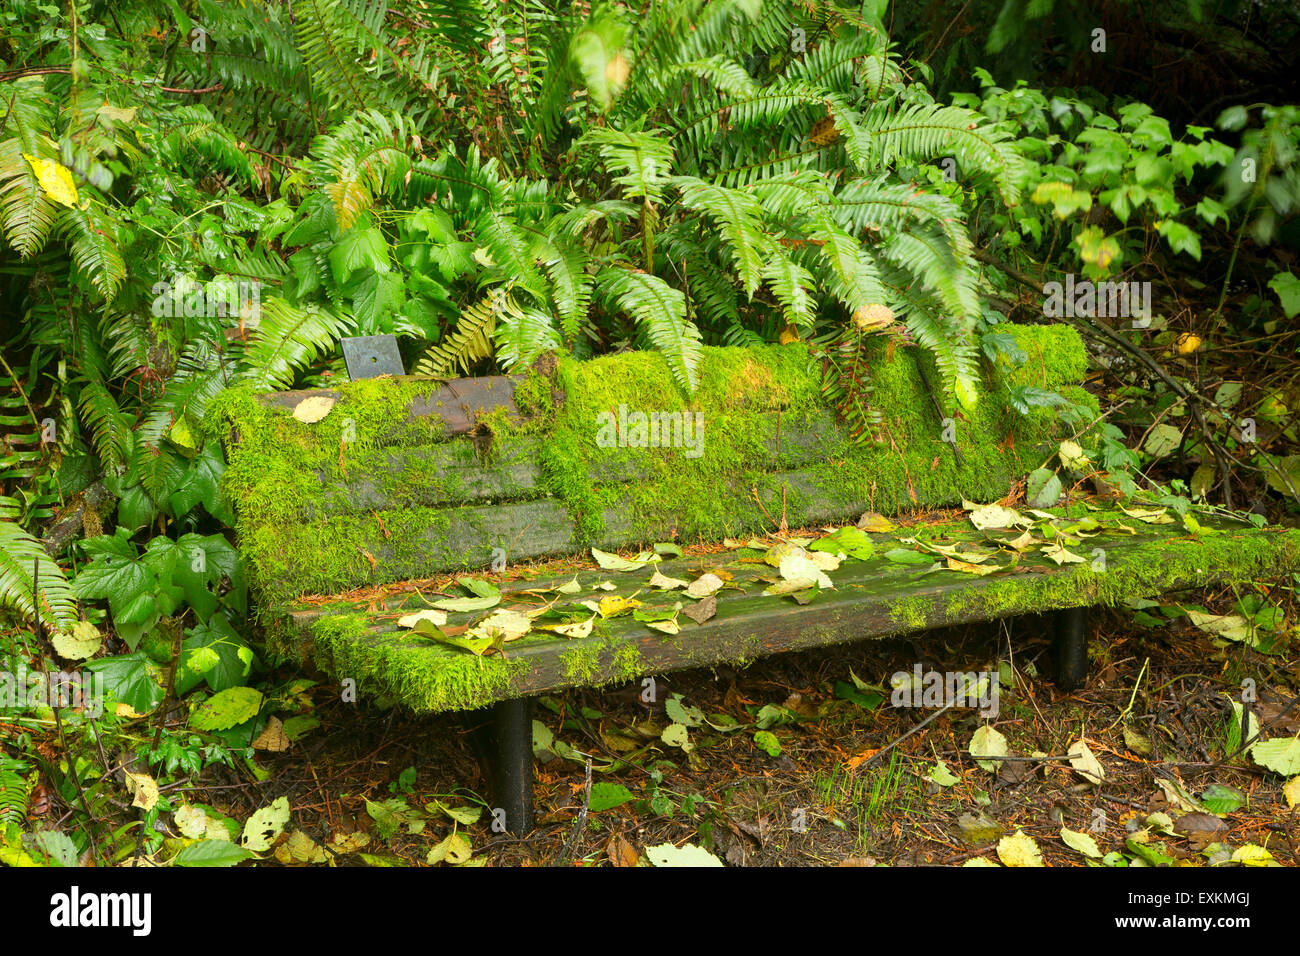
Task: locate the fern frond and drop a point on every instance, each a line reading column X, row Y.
column 19, row 557
column 470, row 343
column 660, row 312
column 287, row 338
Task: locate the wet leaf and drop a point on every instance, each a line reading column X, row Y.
column 1281, row 755
column 796, row 565
column 1085, row 763
column 612, row 562
column 873, row 523
column 265, row 825
column 1019, row 849
column 1220, row 799
column 436, row 618
column 662, row 582
column 686, row 855
column 703, row 611
column 941, row 775
column 78, row 644
column 227, row 709
column 468, row 605
column 986, row 745
column 1081, row 842
column 1137, row 742
column 767, row 742
column 1043, row 488
column 906, row 556
column 704, row 586
column 996, row 516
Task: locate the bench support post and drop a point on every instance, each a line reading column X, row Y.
column 1071, row 647
column 513, row 756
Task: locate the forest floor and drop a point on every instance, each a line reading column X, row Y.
column 1156, row 713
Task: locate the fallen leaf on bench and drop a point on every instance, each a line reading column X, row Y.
column 665, row 583
column 570, row 587
column 904, row 556
column 511, row 625
column 466, row 605
column 798, row 565
column 996, row 516
column 668, row 548
column 437, row 618
column 1019, row 850
column 1061, row 556
column 668, row 627
column 612, row 562
column 704, row 586
column 825, row 561
column 479, row 588
column 581, row 629
column 1149, row 515
column 852, row 542
column 778, row 551
column 967, row 568
column 612, row 606
column 789, row 586
column 1022, row 543
column 874, row 523
column 1085, row 763
column 699, row 613
column 311, row 410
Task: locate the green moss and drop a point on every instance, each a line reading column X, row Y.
column 422, row 677
column 595, row 662
column 1223, row 557
column 911, row 612
column 770, row 451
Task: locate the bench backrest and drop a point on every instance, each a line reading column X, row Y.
column 407, row 478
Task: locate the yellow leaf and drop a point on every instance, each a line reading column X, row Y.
column 55, row 179
column 311, row 410
column 1019, row 850
column 145, row 789
column 1188, row 343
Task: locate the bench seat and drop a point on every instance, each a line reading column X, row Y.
column 360, row 638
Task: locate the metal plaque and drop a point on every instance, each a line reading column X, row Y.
column 369, row 356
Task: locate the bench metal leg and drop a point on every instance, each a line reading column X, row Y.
column 1071, row 647
column 513, row 756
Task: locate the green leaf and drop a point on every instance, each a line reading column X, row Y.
column 606, row 796
column 227, row 709
column 768, row 743
column 1221, row 799
column 1281, row 755
column 1287, row 287
column 211, row 853
column 360, row 249
column 1043, row 490
column 132, row 679
column 1081, row 842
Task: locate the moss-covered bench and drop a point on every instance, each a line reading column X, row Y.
column 357, row 506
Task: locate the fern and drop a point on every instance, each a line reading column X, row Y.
column 20, row 555
column 470, row 343
column 660, row 311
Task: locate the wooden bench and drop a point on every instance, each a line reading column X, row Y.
column 358, row 505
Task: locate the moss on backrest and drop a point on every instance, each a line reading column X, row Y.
column 754, row 405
